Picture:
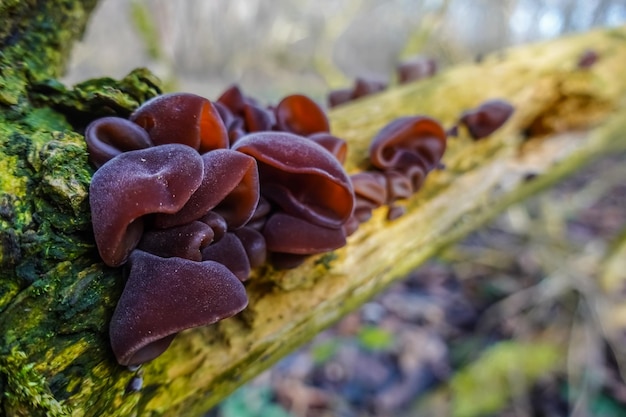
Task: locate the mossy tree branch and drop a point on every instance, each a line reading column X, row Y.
column 56, row 297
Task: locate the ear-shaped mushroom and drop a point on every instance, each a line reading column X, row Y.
column 154, row 180
column 184, row 241
column 406, row 140
column 233, row 99
column 217, row 223
column 254, row 244
column 416, row 69
column 259, row 217
column 370, row 190
column 364, row 87
column 182, row 118
column 164, row 296
column 399, row 186
column 363, row 209
column 413, row 145
column 486, row 118
column 300, row 176
column 287, row 234
column 334, row 145
column 110, row 136
column 230, row 182
column 230, row 252
column 339, row 97
column 371, row 186
column 257, row 118
column 587, row 59
column 227, row 116
column 300, row 115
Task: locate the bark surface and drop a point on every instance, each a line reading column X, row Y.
column 56, row 297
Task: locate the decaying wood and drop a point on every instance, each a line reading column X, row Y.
column 56, row 299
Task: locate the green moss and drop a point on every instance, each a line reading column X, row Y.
column 98, row 97
column 9, row 183
column 27, row 388
column 486, row 386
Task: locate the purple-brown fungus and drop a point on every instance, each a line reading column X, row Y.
column 194, row 194
column 362, row 87
column 309, row 194
column 587, row 59
column 164, row 296
column 184, row 241
column 300, row 177
column 336, row 146
column 182, row 118
column 110, row 136
column 300, row 115
column 412, row 145
column 415, row 69
column 160, row 179
column 229, row 186
column 486, row 118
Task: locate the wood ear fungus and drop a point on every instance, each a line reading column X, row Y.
column 230, row 181
column 164, row 296
column 108, row 137
column 193, row 194
column 486, row 118
column 300, row 177
column 182, row 118
column 300, row 115
column 411, row 145
column 160, row 179
column 416, row 69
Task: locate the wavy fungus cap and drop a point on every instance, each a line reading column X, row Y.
column 230, row 252
column 184, row 241
column 300, row 115
column 407, row 140
column 371, row 186
column 487, row 117
column 413, row 145
column 230, row 185
column 287, row 234
column 301, row 177
column 108, row 137
column 154, row 180
column 336, row 146
column 164, row 296
column 182, row 118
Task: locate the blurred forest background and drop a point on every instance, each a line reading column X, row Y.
column 520, row 318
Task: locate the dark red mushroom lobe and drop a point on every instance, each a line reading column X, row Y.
column 154, row 180
column 164, row 296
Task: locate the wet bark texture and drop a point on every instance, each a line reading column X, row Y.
column 56, row 297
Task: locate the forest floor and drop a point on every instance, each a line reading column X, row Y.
column 506, row 323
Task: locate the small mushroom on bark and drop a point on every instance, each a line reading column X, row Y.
column 182, row 118
column 108, row 137
column 486, row 118
column 229, row 186
column 300, row 177
column 160, row 179
column 300, row 115
column 164, row 296
column 412, row 145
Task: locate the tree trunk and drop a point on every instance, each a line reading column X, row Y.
column 56, row 297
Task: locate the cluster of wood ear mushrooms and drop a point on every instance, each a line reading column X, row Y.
column 191, row 194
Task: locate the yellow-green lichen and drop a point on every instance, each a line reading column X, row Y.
column 9, row 182
column 26, row 387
